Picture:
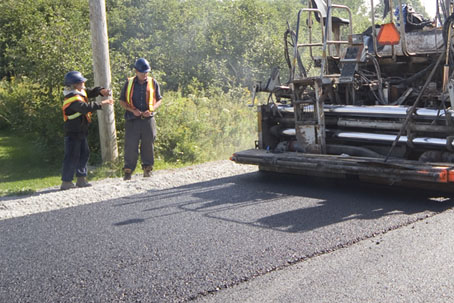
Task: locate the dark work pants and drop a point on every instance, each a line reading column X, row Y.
column 141, row 131
column 75, row 159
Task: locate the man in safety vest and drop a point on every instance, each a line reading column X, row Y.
column 140, row 97
column 77, row 115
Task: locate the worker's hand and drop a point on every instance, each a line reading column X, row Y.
column 136, row 112
column 108, row 101
column 105, row 92
column 146, row 114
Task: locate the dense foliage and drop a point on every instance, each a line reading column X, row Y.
column 205, row 54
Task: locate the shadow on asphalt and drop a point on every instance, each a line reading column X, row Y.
column 177, row 244
column 26, row 195
column 336, row 201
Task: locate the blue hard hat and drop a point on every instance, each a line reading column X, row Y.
column 73, row 77
column 142, row 65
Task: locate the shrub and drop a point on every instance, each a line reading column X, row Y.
column 199, row 128
column 190, row 129
column 28, row 110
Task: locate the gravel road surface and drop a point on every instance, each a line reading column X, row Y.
column 52, row 198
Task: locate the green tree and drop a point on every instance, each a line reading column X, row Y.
column 203, row 52
column 40, row 41
column 47, row 40
column 416, row 4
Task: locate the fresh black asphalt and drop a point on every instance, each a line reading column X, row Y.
column 179, row 244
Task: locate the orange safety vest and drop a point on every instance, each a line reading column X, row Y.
column 150, row 97
column 72, row 99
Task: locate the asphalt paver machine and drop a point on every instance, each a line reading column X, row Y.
column 376, row 106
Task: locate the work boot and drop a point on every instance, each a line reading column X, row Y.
column 147, row 171
column 67, row 185
column 82, row 182
column 127, row 174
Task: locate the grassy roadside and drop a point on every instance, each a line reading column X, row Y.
column 22, row 170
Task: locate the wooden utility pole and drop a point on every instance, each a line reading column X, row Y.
column 101, row 69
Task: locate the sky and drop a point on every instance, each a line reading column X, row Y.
column 430, row 7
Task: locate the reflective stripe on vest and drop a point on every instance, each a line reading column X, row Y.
column 68, row 102
column 150, row 97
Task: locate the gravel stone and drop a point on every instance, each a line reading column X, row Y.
column 52, row 198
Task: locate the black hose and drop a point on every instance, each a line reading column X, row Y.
column 286, row 53
column 302, row 69
column 418, row 75
column 448, row 22
column 357, row 151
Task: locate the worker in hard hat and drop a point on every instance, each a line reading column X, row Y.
column 77, row 116
column 140, row 97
